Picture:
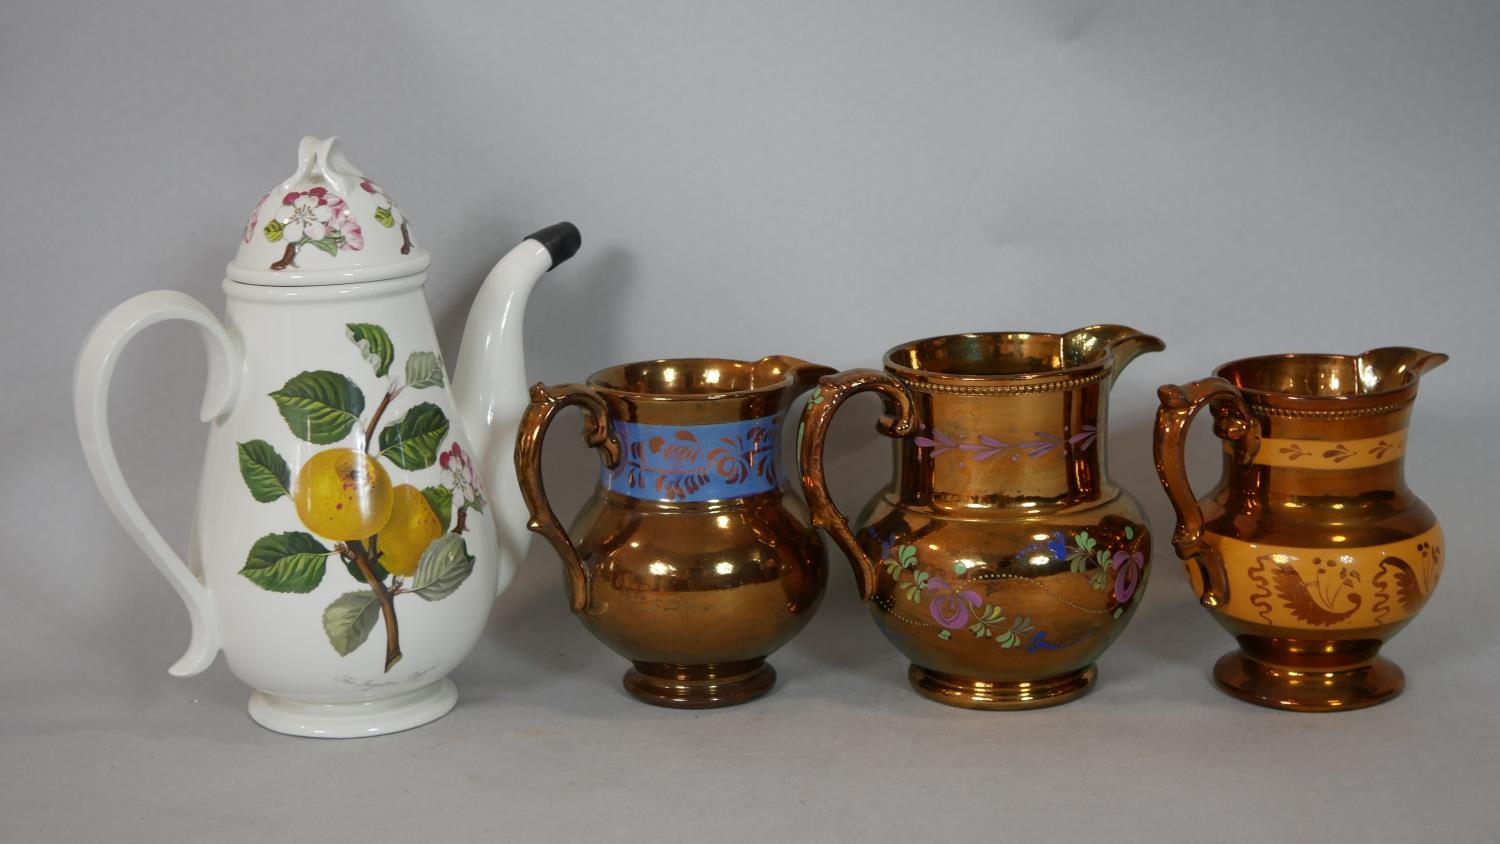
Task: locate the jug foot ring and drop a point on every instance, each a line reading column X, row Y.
column 1281, row 687
column 699, row 686
column 989, row 694
column 354, row 719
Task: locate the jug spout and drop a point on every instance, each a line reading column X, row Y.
column 804, row 374
column 1124, row 343
column 489, row 382
column 1395, row 365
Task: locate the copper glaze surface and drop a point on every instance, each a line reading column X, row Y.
column 1311, row 550
column 1002, row 559
column 693, row 559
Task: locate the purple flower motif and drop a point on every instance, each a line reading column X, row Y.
column 950, row 607
column 1085, row 436
column 1128, row 571
column 938, row 442
column 986, row 447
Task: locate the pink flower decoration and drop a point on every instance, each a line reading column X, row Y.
column 305, row 215
column 950, row 608
column 1128, row 571
column 254, row 217
column 341, row 222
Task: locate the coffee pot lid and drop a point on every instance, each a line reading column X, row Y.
column 327, row 224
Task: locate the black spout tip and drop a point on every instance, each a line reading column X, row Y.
column 561, row 241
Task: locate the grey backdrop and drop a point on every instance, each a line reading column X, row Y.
column 820, row 179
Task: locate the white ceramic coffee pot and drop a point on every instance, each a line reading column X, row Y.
column 356, row 514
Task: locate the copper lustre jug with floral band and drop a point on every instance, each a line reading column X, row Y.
column 1001, row 560
column 1311, row 550
column 694, row 558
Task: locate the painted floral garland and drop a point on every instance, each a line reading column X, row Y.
column 953, row 607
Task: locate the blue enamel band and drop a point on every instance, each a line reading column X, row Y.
column 694, row 462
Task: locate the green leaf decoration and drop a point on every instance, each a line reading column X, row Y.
column 375, row 568
column 327, row 244
column 908, row 555
column 349, row 620
column 320, row 407
column 384, row 217
column 412, row 441
column 374, row 345
column 424, row 369
column 264, row 471
column 286, row 562
column 441, row 499
column 960, row 567
column 444, row 566
column 1129, row 532
column 945, row 635
column 273, row 230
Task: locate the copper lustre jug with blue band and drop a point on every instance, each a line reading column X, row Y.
column 694, row 558
column 1001, row 560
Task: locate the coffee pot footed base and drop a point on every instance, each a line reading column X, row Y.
column 354, row 719
column 699, row 686
column 971, row 693
column 1303, row 690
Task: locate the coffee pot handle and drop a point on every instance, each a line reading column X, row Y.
column 1232, row 421
column 545, row 404
column 91, row 378
column 900, row 420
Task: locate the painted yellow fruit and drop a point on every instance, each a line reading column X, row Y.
column 412, row 527
column 343, row 494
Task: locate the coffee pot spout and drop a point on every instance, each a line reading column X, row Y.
column 489, row 382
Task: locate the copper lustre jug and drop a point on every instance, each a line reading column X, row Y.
column 1001, row 560
column 1311, row 550
column 694, row 559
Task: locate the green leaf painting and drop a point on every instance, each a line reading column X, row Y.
column 327, row 244
column 286, row 562
column 375, row 568
column 384, row 217
column 320, row 407
column 444, row 566
column 412, row 441
column 349, row 620
column 441, row 499
column 424, row 369
column 264, row 471
column 374, row 345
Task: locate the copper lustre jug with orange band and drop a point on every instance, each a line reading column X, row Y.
column 1311, row 550
column 1001, row 560
column 694, row 558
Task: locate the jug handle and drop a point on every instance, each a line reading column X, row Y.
column 545, row 403
column 900, row 420
column 1232, row 422
column 91, row 379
